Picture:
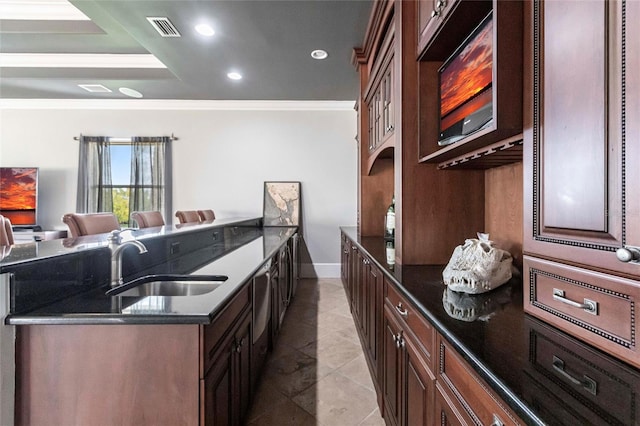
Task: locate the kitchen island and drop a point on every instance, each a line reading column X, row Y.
column 83, row 357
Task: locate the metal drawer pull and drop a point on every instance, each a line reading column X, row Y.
column 587, row 382
column 589, row 305
column 497, row 421
column 401, row 310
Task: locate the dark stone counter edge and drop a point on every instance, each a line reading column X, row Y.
column 494, row 382
column 114, row 319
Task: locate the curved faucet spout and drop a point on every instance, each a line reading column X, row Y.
column 116, row 259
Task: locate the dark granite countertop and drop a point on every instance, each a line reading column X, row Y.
column 29, row 252
column 94, row 307
column 511, row 350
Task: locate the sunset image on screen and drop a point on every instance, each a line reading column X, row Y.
column 18, row 194
column 468, row 74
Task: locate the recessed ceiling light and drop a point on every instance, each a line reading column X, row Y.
column 95, row 88
column 319, row 54
column 205, row 30
column 130, row 92
column 234, row 76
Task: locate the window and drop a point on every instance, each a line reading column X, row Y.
column 122, row 175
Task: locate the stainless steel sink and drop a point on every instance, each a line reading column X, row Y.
column 169, row 285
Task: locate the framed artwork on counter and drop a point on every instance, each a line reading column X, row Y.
column 281, row 204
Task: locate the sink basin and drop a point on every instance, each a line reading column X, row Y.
column 169, row 285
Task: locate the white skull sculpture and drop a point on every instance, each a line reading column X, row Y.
column 477, row 267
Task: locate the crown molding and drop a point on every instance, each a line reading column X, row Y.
column 174, row 105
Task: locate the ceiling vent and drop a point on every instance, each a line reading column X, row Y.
column 164, row 26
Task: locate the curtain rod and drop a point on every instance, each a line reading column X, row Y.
column 173, row 138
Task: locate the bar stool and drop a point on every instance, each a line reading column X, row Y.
column 188, row 216
column 148, row 219
column 90, row 223
column 6, row 232
column 206, row 215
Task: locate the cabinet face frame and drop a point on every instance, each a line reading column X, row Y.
column 593, row 247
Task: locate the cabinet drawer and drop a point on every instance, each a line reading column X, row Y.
column 592, row 306
column 594, row 388
column 477, row 400
column 222, row 324
column 412, row 320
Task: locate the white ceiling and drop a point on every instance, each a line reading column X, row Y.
column 49, row 47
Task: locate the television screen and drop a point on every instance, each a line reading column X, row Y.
column 465, row 85
column 19, row 194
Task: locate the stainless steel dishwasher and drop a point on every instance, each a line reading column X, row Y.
column 261, row 319
column 261, row 301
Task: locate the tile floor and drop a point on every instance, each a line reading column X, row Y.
column 317, row 374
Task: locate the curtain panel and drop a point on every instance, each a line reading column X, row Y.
column 151, row 175
column 94, row 175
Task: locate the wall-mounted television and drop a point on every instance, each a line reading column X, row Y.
column 19, row 195
column 465, row 79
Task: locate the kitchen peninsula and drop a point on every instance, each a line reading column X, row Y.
column 82, row 355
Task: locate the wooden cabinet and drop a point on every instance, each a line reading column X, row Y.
column 431, row 14
column 470, row 397
column 226, row 387
column 379, row 97
column 446, row 411
column 226, row 384
column 588, row 386
column 580, row 207
column 364, row 279
column 581, row 179
column 408, row 382
column 501, row 137
column 420, row 378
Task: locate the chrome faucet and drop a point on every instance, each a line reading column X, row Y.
column 117, row 247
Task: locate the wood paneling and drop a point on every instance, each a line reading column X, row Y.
column 376, row 192
column 107, row 374
column 435, row 210
column 503, row 208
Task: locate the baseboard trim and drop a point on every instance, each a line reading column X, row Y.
column 320, row 270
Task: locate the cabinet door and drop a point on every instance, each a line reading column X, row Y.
column 581, row 195
column 374, row 322
column 344, row 265
column 392, row 372
column 431, row 14
column 419, row 386
column 218, row 392
column 242, row 370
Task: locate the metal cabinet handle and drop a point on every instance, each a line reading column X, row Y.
column 496, row 421
column 440, row 4
column 435, row 13
column 628, row 254
column 587, row 382
column 239, row 345
column 589, row 305
column 399, row 340
column 401, row 310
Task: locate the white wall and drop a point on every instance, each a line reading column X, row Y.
column 221, row 160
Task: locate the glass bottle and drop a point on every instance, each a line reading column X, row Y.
column 390, row 221
column 390, row 251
